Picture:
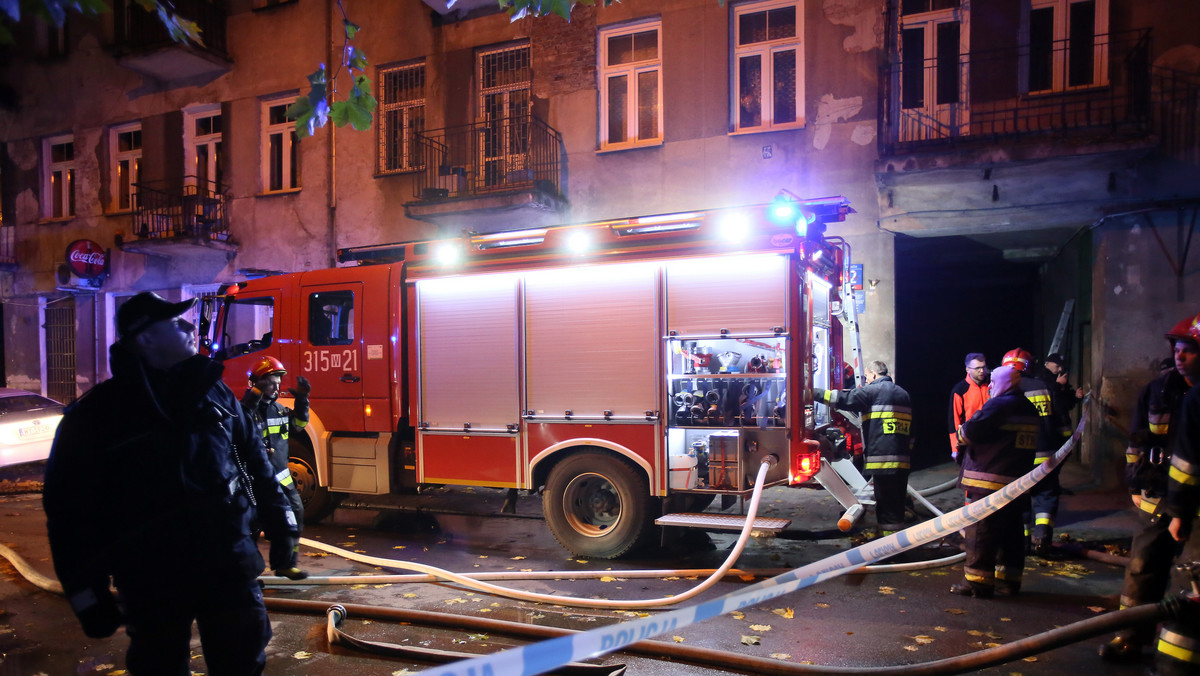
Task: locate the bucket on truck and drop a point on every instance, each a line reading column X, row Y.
column 681, row 471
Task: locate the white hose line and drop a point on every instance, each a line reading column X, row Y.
column 934, row 490
column 522, row 575
column 37, row 579
column 751, row 512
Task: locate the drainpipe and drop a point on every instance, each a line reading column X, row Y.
column 331, row 165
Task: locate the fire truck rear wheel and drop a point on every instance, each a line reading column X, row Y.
column 319, row 501
column 597, row 505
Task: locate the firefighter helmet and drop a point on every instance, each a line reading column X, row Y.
column 267, row 366
column 1186, row 329
column 1018, row 359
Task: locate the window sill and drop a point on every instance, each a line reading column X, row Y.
column 629, row 146
column 399, row 172
column 767, row 130
column 279, row 193
column 118, row 212
column 58, row 220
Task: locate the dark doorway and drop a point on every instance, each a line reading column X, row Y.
column 955, row 296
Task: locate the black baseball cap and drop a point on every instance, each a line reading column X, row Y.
column 1056, row 358
column 146, row 308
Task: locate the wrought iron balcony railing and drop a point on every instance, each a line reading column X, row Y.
column 8, row 245
column 1101, row 85
column 1176, row 113
column 139, row 30
column 486, row 158
column 191, row 211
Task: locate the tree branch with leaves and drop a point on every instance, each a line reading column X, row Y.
column 320, row 105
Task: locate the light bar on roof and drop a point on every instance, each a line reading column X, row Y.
column 502, row 240
column 647, row 225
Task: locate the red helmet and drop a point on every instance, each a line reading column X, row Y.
column 1187, row 329
column 1018, row 359
column 267, row 366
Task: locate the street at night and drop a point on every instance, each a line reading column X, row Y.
column 855, row 621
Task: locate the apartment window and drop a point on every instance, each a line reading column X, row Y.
column 1068, row 45
column 401, row 117
column 202, row 147
column 630, row 86
column 768, row 68
column 934, row 72
column 125, row 149
column 58, row 182
column 280, row 161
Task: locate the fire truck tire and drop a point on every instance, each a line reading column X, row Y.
column 319, row 501
column 597, row 505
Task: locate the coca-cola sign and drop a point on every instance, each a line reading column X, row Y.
column 88, row 260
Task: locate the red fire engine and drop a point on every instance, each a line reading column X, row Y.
column 627, row 369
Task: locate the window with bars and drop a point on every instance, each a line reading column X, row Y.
column 401, row 117
column 59, row 328
column 769, row 66
column 126, row 165
column 280, row 161
column 58, row 180
column 630, row 86
column 505, row 78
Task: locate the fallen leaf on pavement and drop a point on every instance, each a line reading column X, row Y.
column 923, row 640
column 677, row 639
column 760, row 627
column 786, row 613
column 887, row 590
column 781, row 656
column 749, row 640
column 302, row 654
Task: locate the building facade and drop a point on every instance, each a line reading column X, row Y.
column 1059, row 131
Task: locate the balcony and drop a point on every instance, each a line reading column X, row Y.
column 181, row 221
column 144, row 46
column 489, row 176
column 1099, row 91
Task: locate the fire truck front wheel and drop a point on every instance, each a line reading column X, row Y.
column 597, row 505
column 319, row 501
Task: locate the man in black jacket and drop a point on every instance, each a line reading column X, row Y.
column 887, row 423
column 150, row 486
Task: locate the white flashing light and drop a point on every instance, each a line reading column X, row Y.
column 507, row 239
column 579, row 243
column 734, row 228
column 447, row 253
column 666, row 218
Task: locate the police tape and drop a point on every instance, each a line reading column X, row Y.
column 537, row 658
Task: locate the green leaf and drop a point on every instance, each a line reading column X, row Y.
column 299, row 108
column 339, row 113
column 318, row 77
column 360, row 117
column 352, row 29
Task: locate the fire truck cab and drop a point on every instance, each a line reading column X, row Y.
column 625, row 369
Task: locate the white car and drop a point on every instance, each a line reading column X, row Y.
column 27, row 425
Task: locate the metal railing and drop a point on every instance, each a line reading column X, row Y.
column 496, row 156
column 1064, row 88
column 1176, row 113
column 189, row 211
column 140, row 30
column 8, row 245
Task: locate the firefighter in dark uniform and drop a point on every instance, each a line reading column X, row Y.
column 1039, row 525
column 887, row 422
column 275, row 422
column 150, row 486
column 1147, row 466
column 1179, row 640
column 1000, row 440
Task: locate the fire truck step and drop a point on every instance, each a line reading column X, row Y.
column 722, row 522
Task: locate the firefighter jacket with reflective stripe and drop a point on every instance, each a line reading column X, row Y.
column 1148, row 457
column 886, row 420
column 153, row 476
column 966, row 398
column 1001, row 441
column 1183, row 482
column 1049, row 436
column 275, row 422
